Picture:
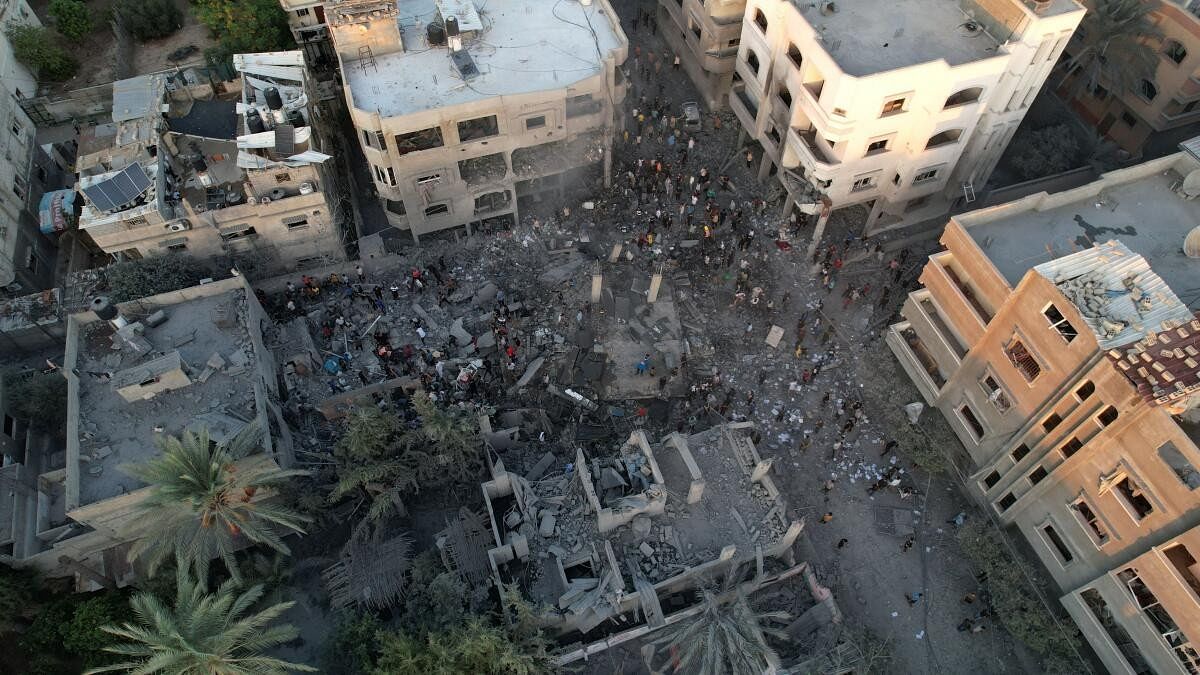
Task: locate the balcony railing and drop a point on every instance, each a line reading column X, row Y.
column 808, row 140
column 968, row 293
column 748, row 103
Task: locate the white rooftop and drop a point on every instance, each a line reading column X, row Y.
column 526, row 46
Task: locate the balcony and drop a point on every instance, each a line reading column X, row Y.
column 828, row 123
column 921, row 367
column 745, row 107
column 816, row 163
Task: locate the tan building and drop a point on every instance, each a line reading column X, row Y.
column 463, row 119
column 897, row 110
column 181, row 360
column 705, row 35
column 1168, row 100
column 1057, row 336
column 239, row 179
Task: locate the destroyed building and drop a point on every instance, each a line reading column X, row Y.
column 240, row 179
column 705, row 35
column 899, row 111
column 1057, row 335
column 177, row 361
column 463, row 118
column 610, row 546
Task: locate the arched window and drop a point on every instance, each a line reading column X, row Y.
column 1174, row 50
column 760, row 20
column 752, row 61
column 943, row 138
column 964, row 97
column 794, row 54
column 1148, row 90
column 785, row 96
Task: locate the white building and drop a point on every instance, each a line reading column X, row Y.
column 900, row 107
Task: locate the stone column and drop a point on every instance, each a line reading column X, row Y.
column 597, row 284
column 616, row 252
column 655, row 285
column 819, row 228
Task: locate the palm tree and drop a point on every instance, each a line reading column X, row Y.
column 203, row 633
column 201, row 503
column 448, row 441
column 368, row 460
column 1115, row 46
column 728, row 636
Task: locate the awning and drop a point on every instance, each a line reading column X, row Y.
column 56, row 211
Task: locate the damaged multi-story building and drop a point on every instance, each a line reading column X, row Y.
column 239, row 179
column 463, row 118
column 900, row 111
column 705, row 35
column 164, row 364
column 1058, row 337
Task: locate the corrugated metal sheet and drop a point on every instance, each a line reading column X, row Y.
column 137, row 97
column 1119, row 295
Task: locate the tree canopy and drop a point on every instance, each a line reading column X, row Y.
column 41, row 50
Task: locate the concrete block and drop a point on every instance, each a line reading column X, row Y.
column 646, row 549
column 547, row 527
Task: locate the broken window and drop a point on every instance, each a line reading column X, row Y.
column 437, row 209
column 1022, row 360
column 386, row 177
column 1060, row 546
column 995, row 393
column 535, row 122
column 991, row 479
column 584, row 104
column 943, row 138
column 1185, row 565
column 492, row 201
column 1085, row 390
column 1071, row 447
column 1116, row 632
column 1183, row 469
column 972, row 421
column 1090, row 521
column 283, row 177
column 239, row 233
column 1037, row 475
column 927, row 175
column 1019, row 453
column 413, row 141
column 480, row 127
column 1060, row 323
column 893, row 106
column 863, row 183
column 296, row 223
column 1107, row 416
column 1051, row 422
column 485, row 169
column 374, row 139
column 1131, row 495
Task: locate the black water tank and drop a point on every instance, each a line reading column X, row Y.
column 254, row 122
column 199, row 164
column 451, row 26
column 295, row 118
column 274, row 102
column 435, row 34
column 103, row 308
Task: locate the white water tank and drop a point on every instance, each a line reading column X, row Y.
column 306, row 188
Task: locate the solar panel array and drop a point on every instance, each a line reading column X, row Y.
column 119, row 191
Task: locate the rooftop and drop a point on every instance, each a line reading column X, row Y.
column 866, row 37
column 525, row 47
column 114, row 433
column 1139, row 207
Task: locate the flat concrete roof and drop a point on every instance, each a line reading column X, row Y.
column 866, row 37
column 1140, row 211
column 124, row 433
column 525, row 47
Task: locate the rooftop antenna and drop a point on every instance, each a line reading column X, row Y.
column 366, row 58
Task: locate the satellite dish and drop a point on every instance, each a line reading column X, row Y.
column 1191, row 243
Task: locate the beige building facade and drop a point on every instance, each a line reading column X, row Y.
column 706, row 36
column 901, row 117
column 240, row 179
column 463, row 130
column 1057, row 336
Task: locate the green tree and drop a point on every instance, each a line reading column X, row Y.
column 202, row 633
column 448, row 441
column 134, row 279
column 437, row 600
column 38, row 397
column 473, row 647
column 201, row 504
column 244, row 26
column 42, row 52
column 72, row 18
column 18, row 595
column 728, row 636
column 368, row 461
column 1045, row 152
column 84, row 635
column 1114, row 47
column 149, row 19
column 353, row 648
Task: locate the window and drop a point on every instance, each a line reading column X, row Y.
column 584, row 104
column 963, row 97
column 283, row 177
column 876, row 147
column 492, row 201
column 1006, row 502
column 1185, row 564
column 16, row 128
column 415, row 141
column 990, row 480
column 895, row 105
column 752, row 61
column 1116, row 632
column 895, row 179
column 863, row 183
column 1090, row 521
column 480, row 127
column 1051, row 422
column 794, row 55
column 1037, row 475
column 374, row 139
column 437, row 209
column 387, row 177
column 177, row 245
column 1131, row 496
column 995, row 393
column 1175, row 51
column 240, row 232
column 1019, row 452
column 302, row 12
column 10, row 425
column 1107, row 416
column 535, row 122
column 1085, row 390
column 925, row 176
column 1099, row 93
column 18, row 187
column 1060, row 546
column 1022, row 360
column 1071, row 447
column 694, row 26
column 395, row 206
column 296, row 223
column 760, row 20
column 972, row 421
column 1129, row 120
column 1160, row 619
column 1183, row 469
column 946, row 137
column 1059, row 323
column 785, row 96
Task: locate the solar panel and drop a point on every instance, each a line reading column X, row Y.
column 285, row 139
column 119, row 191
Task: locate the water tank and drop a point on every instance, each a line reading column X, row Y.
column 451, row 26
column 435, row 34
column 199, row 164
column 1191, row 243
column 274, row 101
column 254, row 122
column 296, row 118
column 103, row 308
